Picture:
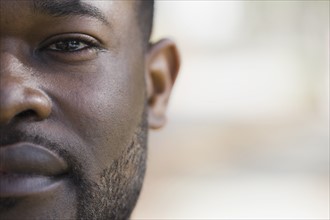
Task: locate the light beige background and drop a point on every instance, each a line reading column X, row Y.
column 248, row 129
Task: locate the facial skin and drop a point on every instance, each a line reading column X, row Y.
column 79, row 91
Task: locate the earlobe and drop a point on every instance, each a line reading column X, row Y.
column 162, row 68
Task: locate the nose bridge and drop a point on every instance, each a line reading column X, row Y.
column 10, row 64
column 19, row 92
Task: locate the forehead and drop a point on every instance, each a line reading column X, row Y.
column 107, row 11
column 100, row 4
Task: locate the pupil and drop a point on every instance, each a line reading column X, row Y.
column 68, row 45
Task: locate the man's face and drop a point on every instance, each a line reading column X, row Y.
column 74, row 103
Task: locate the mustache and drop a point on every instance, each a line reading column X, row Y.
column 17, row 136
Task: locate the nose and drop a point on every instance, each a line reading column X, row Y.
column 20, row 99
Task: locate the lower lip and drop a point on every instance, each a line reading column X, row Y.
column 18, row 185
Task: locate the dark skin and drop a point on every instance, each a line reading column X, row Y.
column 78, row 94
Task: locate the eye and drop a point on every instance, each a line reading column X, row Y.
column 69, row 45
column 73, row 42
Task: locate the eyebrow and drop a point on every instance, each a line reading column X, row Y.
column 63, row 8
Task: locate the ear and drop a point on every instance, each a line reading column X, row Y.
column 162, row 66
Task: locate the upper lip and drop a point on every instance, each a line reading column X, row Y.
column 27, row 158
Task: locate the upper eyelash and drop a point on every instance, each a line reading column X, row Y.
column 90, row 42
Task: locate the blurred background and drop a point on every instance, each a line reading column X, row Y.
column 248, row 123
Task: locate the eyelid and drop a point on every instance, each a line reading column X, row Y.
column 87, row 39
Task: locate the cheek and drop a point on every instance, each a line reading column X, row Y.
column 103, row 105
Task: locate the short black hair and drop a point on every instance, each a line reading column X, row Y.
column 145, row 13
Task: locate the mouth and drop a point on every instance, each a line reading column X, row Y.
column 27, row 169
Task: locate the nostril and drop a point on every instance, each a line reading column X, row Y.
column 26, row 114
